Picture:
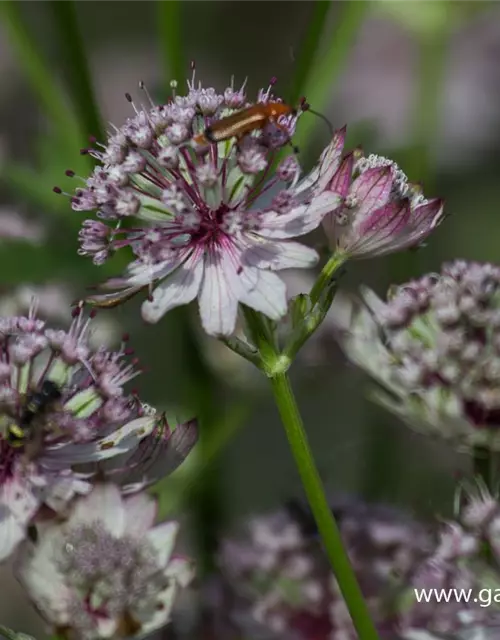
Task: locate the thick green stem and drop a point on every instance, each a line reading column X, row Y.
column 330, row 268
column 77, row 74
column 323, row 516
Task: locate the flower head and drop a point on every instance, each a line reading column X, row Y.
column 64, row 415
column 435, row 345
column 381, row 212
column 190, row 214
column 106, row 571
column 279, row 578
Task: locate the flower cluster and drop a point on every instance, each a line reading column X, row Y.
column 276, row 579
column 380, row 211
column 193, row 223
column 435, row 345
column 192, row 218
column 106, row 572
column 64, row 415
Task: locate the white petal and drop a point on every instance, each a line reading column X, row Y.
column 18, row 497
column 157, row 619
column 120, row 441
column 106, row 627
column 140, row 514
column 141, row 274
column 181, row 569
column 301, row 219
column 177, row 289
column 267, row 295
column 12, row 532
column 59, row 493
column 103, row 504
column 266, row 254
column 218, row 300
column 163, row 539
column 38, row 573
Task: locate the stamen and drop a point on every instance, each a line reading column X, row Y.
column 143, row 87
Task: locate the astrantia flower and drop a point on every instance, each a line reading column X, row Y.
column 435, row 346
column 381, row 212
column 191, row 215
column 460, row 561
column 277, row 576
column 107, row 571
column 50, row 451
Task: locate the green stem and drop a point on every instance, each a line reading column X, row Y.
column 417, row 160
column 13, row 635
column 325, row 72
column 323, row 516
column 333, row 264
column 308, row 49
column 40, row 75
column 170, row 37
column 483, row 466
column 77, row 74
column 427, row 109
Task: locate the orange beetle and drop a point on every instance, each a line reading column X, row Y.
column 243, row 122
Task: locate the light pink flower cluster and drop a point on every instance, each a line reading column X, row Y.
column 52, row 445
column 277, row 583
column 195, row 221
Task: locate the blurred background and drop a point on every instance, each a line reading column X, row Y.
column 416, row 81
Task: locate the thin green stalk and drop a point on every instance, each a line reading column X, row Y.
column 308, row 49
column 77, row 74
column 326, row 70
column 39, row 74
column 427, row 108
column 323, row 516
column 170, row 38
column 14, row 635
column 417, row 160
column 326, row 274
column 483, row 466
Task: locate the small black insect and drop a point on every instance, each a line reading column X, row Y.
column 36, row 404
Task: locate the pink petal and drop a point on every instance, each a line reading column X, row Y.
column 429, row 215
column 342, row 179
column 380, row 229
column 372, row 189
